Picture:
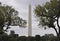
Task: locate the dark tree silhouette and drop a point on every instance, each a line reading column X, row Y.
column 9, row 17
column 49, row 15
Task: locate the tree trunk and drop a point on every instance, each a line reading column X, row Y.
column 59, row 34
column 58, row 28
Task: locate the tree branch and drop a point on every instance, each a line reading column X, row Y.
column 58, row 24
column 58, row 21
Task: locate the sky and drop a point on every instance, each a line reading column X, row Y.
column 22, row 6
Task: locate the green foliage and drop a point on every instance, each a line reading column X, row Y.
column 48, row 13
column 9, row 17
column 37, row 38
column 48, row 37
column 15, row 37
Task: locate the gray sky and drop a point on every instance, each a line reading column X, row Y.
column 22, row 7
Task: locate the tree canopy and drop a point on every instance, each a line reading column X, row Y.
column 49, row 14
column 9, row 17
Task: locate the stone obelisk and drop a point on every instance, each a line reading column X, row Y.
column 29, row 22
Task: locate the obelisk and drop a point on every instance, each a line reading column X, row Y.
column 29, row 22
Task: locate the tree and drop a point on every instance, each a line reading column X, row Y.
column 9, row 17
column 49, row 15
column 48, row 37
column 37, row 38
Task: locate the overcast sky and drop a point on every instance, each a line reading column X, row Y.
column 22, row 7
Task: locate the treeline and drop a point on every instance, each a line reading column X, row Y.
column 16, row 37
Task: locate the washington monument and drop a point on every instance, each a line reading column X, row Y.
column 29, row 22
